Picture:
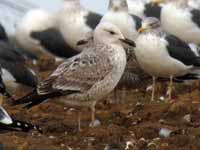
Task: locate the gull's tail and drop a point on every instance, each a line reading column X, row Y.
column 34, row 98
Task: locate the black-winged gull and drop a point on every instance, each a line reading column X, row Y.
column 164, row 55
column 181, row 20
column 12, row 64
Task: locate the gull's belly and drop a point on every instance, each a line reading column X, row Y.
column 155, row 60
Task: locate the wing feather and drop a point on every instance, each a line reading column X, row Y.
column 78, row 74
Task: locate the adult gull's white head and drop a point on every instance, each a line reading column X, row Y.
column 118, row 5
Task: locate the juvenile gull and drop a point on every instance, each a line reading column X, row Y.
column 181, row 20
column 74, row 22
column 88, row 77
column 164, row 55
column 12, row 64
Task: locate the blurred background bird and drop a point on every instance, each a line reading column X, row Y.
column 13, row 65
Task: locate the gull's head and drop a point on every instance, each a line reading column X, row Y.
column 108, row 33
column 118, row 5
column 149, row 24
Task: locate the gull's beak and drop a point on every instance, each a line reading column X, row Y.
column 140, row 30
column 128, row 41
column 82, row 42
column 158, row 1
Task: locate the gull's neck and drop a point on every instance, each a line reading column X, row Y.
column 158, row 32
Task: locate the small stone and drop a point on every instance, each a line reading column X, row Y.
column 112, row 147
column 164, row 144
column 162, row 98
column 138, row 104
column 152, row 146
column 52, row 137
column 130, row 145
column 162, row 121
column 96, row 123
column 149, row 88
column 187, row 118
column 62, row 145
column 142, row 143
column 164, row 132
column 179, row 108
column 156, row 139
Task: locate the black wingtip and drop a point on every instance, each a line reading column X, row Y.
column 25, row 99
column 21, row 126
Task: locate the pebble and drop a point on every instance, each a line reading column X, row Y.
column 152, row 146
column 52, row 137
column 164, row 132
column 149, row 88
column 96, row 123
column 162, row 98
column 130, row 145
column 187, row 118
column 112, row 147
column 162, row 121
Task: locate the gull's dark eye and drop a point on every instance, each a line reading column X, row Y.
column 154, row 25
column 111, row 32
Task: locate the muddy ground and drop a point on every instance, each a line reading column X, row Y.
column 129, row 122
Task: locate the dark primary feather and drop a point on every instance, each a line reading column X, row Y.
column 190, row 76
column 53, row 41
column 181, row 51
column 152, row 10
column 196, row 16
column 92, row 19
column 138, row 21
column 3, row 90
column 27, row 54
column 3, row 35
column 14, row 62
column 14, row 125
column 19, row 126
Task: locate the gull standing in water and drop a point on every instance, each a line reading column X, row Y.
column 84, row 79
column 164, row 55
